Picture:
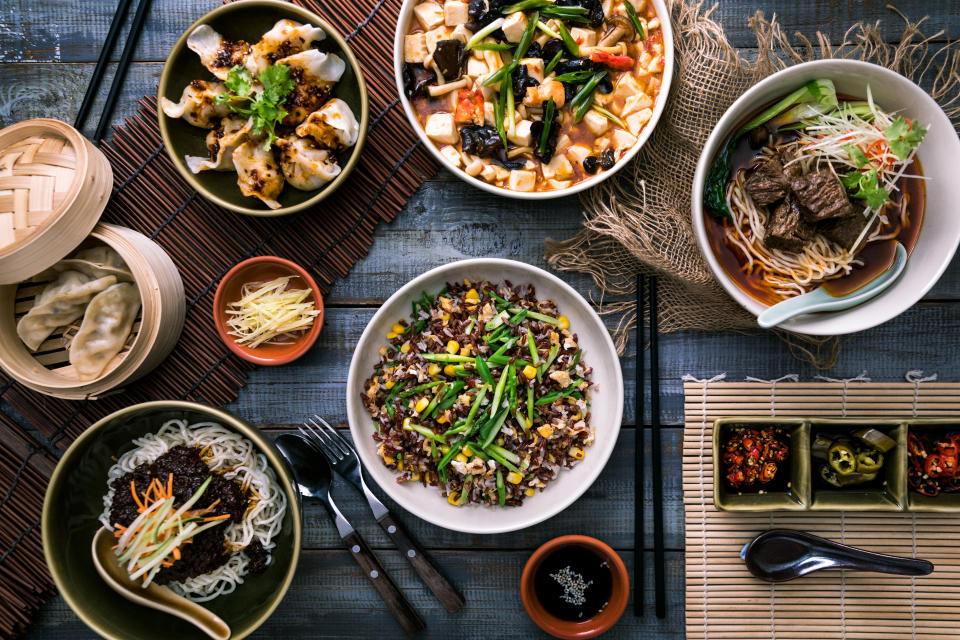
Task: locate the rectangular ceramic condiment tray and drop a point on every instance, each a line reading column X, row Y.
column 801, row 484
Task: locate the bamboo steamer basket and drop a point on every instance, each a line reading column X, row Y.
column 54, row 185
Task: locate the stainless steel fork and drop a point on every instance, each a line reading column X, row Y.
column 345, row 462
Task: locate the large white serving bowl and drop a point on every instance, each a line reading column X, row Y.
column 406, row 14
column 938, row 154
column 606, row 407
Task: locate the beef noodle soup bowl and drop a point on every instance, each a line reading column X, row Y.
column 811, row 178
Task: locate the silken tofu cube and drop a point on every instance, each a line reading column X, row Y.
column 514, row 26
column 635, row 121
column 429, row 14
column 597, row 124
column 452, row 155
column 434, row 36
column 627, row 86
column 577, row 152
column 558, row 167
column 534, row 67
column 455, row 12
column 441, row 128
column 488, row 173
column 476, row 67
column 414, row 48
column 461, row 33
column 623, row 140
column 521, row 135
column 522, row 180
column 636, row 103
column 584, row 37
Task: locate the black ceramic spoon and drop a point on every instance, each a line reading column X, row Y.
column 779, row 555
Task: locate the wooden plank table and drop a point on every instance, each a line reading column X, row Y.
column 47, row 50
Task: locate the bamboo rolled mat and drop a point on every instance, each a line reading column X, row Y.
column 204, row 241
column 724, row 601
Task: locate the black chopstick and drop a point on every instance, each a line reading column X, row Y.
column 638, row 517
column 659, row 577
column 128, row 48
column 105, row 52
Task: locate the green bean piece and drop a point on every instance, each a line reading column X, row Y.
column 496, row 321
column 472, row 414
column 433, row 448
column 421, row 387
column 501, row 490
column 536, row 315
column 504, row 361
column 576, row 359
column 498, row 454
column 434, row 402
column 632, row 14
column 522, row 421
column 470, row 326
column 518, row 317
column 552, row 355
column 493, row 427
column 498, row 393
column 450, row 455
column 475, row 448
column 467, row 481
column 449, row 358
column 426, row 432
column 503, row 349
column 530, row 403
column 483, row 370
column 512, row 386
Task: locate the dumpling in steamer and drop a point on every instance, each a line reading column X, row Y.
column 314, row 73
column 258, row 174
column 96, row 262
column 221, row 142
column 304, row 165
column 197, row 104
column 217, row 54
column 58, row 304
column 285, row 38
column 105, row 328
column 332, row 127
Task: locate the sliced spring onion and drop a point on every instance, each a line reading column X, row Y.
column 609, row 116
column 584, row 98
column 553, row 62
column 568, row 41
column 632, row 14
column 526, row 5
column 574, row 77
column 547, row 30
column 492, row 46
column 527, row 36
column 483, row 33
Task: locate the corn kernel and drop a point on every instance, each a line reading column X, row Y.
column 442, row 419
column 546, row 431
column 383, row 351
column 389, row 384
column 466, row 350
column 500, row 442
column 450, row 370
column 467, row 451
column 530, row 491
column 454, row 498
column 400, row 465
column 427, row 477
column 397, row 328
column 445, row 317
column 421, row 404
column 472, row 295
column 391, row 335
column 514, row 478
column 405, row 347
column 434, row 369
column 576, row 452
column 453, row 346
column 461, row 458
column 563, row 322
column 416, row 478
column 530, row 372
column 445, row 449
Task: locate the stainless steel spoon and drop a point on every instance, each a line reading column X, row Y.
column 779, row 555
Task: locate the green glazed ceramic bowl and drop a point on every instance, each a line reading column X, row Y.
column 74, row 501
column 248, row 20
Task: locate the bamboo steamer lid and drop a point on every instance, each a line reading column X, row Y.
column 54, row 185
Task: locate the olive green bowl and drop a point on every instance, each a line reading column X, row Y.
column 248, row 20
column 74, row 501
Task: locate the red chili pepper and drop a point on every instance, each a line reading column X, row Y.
column 617, row 63
column 768, row 472
column 469, row 106
column 933, row 466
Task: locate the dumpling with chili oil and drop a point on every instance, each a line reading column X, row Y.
column 217, row 53
column 258, row 173
column 221, row 143
column 285, row 38
column 106, row 325
column 198, row 104
column 314, row 73
column 333, row 126
column 305, row 166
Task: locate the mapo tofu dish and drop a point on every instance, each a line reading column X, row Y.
column 535, row 95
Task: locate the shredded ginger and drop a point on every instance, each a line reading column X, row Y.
column 269, row 313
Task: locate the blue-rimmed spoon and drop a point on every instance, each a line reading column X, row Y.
column 820, row 300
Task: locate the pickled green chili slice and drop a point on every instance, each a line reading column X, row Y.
column 842, row 458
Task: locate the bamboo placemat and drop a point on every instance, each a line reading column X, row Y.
column 724, row 601
column 204, row 241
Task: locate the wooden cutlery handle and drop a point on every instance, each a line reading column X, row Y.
column 401, row 609
column 446, row 594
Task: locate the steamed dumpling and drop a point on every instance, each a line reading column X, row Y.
column 96, row 262
column 285, row 38
column 197, row 104
column 332, row 127
column 58, row 304
column 217, row 54
column 304, row 165
column 258, row 174
column 221, row 142
column 106, row 326
column 314, row 73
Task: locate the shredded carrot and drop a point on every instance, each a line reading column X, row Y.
column 133, row 490
column 170, row 485
column 176, row 553
column 212, row 518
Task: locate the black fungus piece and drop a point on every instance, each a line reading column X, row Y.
column 483, row 12
column 510, row 165
column 569, row 91
column 450, row 56
column 605, row 85
column 551, row 48
column 575, row 64
column 480, row 140
column 534, row 51
column 607, row 159
column 594, row 9
column 522, row 80
column 550, row 148
column 416, row 79
column 591, row 164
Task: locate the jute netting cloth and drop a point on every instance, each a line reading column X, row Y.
column 640, row 220
column 724, row 601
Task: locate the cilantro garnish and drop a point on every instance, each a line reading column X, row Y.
column 265, row 106
column 858, row 157
column 903, row 137
column 866, row 183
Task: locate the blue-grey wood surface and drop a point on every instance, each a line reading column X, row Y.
column 47, row 50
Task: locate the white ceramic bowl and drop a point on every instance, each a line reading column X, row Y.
column 406, row 14
column 938, row 155
column 606, row 408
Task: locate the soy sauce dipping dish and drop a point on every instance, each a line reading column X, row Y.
column 264, row 269
column 575, row 587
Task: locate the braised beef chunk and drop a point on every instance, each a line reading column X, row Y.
column 822, row 194
column 843, row 231
column 766, row 184
column 786, row 228
column 791, row 171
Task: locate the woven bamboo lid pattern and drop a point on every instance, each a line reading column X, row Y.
column 54, row 185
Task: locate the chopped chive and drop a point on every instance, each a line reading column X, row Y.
column 545, row 134
column 483, row 33
column 568, row 40
column 632, row 14
column 492, row 46
column 553, row 62
column 609, row 116
column 547, row 30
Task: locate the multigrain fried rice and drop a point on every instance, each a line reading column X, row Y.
column 483, row 394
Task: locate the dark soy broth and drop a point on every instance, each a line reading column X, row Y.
column 573, row 583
